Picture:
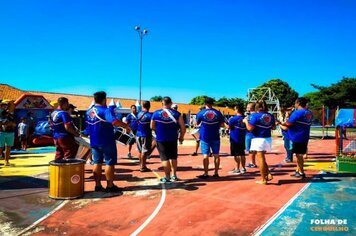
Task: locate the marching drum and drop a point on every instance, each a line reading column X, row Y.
column 124, row 138
column 84, row 150
column 195, row 133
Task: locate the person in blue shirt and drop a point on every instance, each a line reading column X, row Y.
column 131, row 120
column 298, row 126
column 166, row 123
column 261, row 125
column 144, row 134
column 237, row 139
column 250, row 109
column 63, row 131
column 100, row 127
column 210, row 120
column 286, row 140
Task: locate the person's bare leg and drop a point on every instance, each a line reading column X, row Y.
column 167, row 168
column 109, row 174
column 143, row 160
column 7, row 155
column 243, row 161
column 206, row 164
column 174, row 164
column 300, row 163
column 97, row 174
column 253, row 158
column 130, row 148
column 237, row 160
column 216, row 163
column 197, row 144
column 140, row 159
column 263, row 170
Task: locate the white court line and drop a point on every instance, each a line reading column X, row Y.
column 263, row 227
column 43, row 218
column 155, row 212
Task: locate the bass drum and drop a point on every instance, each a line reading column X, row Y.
column 124, row 138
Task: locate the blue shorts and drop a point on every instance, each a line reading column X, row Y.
column 7, row 139
column 206, row 146
column 105, row 154
column 248, row 139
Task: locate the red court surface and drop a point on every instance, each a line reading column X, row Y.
column 229, row 205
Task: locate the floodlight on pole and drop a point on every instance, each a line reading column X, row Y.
column 141, row 34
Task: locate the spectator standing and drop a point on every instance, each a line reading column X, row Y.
column 22, row 132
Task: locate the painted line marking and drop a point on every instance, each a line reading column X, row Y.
column 263, row 227
column 43, row 218
column 155, row 212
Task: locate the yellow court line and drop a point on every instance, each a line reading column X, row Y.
column 26, row 164
column 324, row 166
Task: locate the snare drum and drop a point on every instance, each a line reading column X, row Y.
column 195, row 133
column 124, row 138
column 84, row 150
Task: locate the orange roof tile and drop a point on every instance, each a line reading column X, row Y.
column 82, row 102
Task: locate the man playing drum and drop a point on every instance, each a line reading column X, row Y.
column 100, row 122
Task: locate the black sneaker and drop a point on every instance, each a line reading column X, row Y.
column 194, row 154
column 99, row 189
column 303, row 176
column 145, row 169
column 297, row 175
column 113, row 189
column 203, row 176
column 216, row 176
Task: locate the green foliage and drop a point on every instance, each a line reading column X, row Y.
column 156, row 99
column 285, row 94
column 221, row 102
column 230, row 102
column 314, row 100
column 342, row 94
column 198, row 100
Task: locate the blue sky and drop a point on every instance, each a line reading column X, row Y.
column 194, row 47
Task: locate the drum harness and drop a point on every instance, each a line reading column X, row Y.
column 170, row 115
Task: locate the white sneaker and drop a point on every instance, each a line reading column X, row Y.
column 235, row 172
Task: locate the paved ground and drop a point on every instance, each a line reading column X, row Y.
column 229, row 205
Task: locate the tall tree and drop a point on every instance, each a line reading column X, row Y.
column 342, row 94
column 198, row 100
column 285, row 94
column 156, row 98
column 230, row 102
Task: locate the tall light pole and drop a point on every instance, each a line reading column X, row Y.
column 141, row 34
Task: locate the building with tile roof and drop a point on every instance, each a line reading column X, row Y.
column 82, row 102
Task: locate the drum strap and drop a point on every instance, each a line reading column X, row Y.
column 143, row 114
column 134, row 115
column 170, row 115
column 97, row 116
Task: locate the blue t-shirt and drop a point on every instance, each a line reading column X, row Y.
column 249, row 133
column 144, row 122
column 100, row 127
column 58, row 119
column 131, row 120
column 166, row 128
column 238, row 129
column 263, row 123
column 210, row 121
column 300, row 121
